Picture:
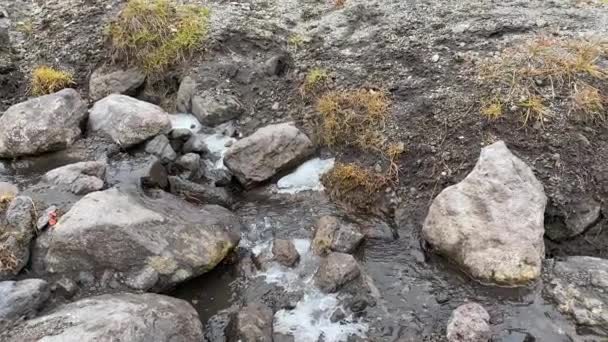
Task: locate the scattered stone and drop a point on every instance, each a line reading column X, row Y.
column 16, row 237
column 79, row 178
column 266, row 152
column 254, row 323
column 196, row 143
column 469, row 323
column 43, row 124
column 200, row 193
column 21, row 298
column 435, row 58
column 491, row 223
column 161, row 147
column 336, row 270
column 333, row 235
column 213, row 108
column 338, row 315
column 576, row 219
column 184, row 95
column 285, row 252
column 65, row 287
column 220, row 176
column 126, row 120
column 115, row 230
column 105, row 82
column 579, row 287
column 114, row 317
column 276, row 65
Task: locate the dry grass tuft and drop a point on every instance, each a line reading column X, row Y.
column 316, row 79
column 355, row 186
column 156, row 34
column 353, row 118
column 46, row 80
column 544, row 73
column 492, row 110
column 295, row 41
column 339, row 3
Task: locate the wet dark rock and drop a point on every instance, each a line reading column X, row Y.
column 216, row 175
column 143, row 169
column 165, row 234
column 469, row 323
column 285, row 252
column 186, row 91
column 376, row 229
column 338, row 315
column 200, row 193
column 276, row 65
column 336, row 270
column 106, row 81
column 216, row 328
column 5, row 40
column 196, row 143
column 573, row 220
column 181, row 134
column 43, row 124
column 514, row 336
column 161, row 148
column 124, row 316
column 254, row 323
column 127, row 121
column 65, row 287
column 491, row 223
column 579, row 287
column 278, row 337
column 213, row 108
column 79, row 178
column 21, row 298
column 266, row 152
column 16, row 236
column 332, row 234
column 190, row 162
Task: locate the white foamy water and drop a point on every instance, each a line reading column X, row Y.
column 188, row 121
column 311, row 317
column 306, row 177
column 216, row 144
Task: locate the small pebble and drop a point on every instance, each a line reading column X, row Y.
column 435, row 58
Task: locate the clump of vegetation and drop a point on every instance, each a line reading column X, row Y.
column 354, row 185
column 315, row 80
column 296, row 41
column 547, row 73
column 354, row 118
column 8, row 260
column 46, row 80
column 339, row 3
column 155, row 34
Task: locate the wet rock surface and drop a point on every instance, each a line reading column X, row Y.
column 79, row 178
column 336, row 270
column 266, row 152
column 21, row 299
column 124, row 316
column 43, row 124
column 332, row 234
column 491, row 223
column 253, row 323
column 285, row 252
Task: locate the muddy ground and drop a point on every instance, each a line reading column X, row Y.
column 426, row 54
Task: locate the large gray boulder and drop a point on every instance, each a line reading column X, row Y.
column 16, row 233
column 21, row 298
column 491, row 223
column 469, row 323
column 266, row 152
column 150, row 243
column 116, row 317
column 127, row 121
column 105, row 82
column 579, row 287
column 79, row 178
column 43, row 124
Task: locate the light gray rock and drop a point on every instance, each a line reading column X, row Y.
column 336, row 270
column 21, row 298
column 491, row 223
column 161, row 147
column 116, row 317
column 196, row 143
column 579, row 287
column 127, row 121
column 43, row 124
column 8, row 190
column 104, row 82
column 266, row 152
column 212, row 108
column 285, row 252
column 220, row 176
column 122, row 232
column 189, row 162
column 469, row 323
column 332, row 234
column 201, row 193
column 16, row 237
column 254, row 323
column 79, row 178
column 184, row 95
